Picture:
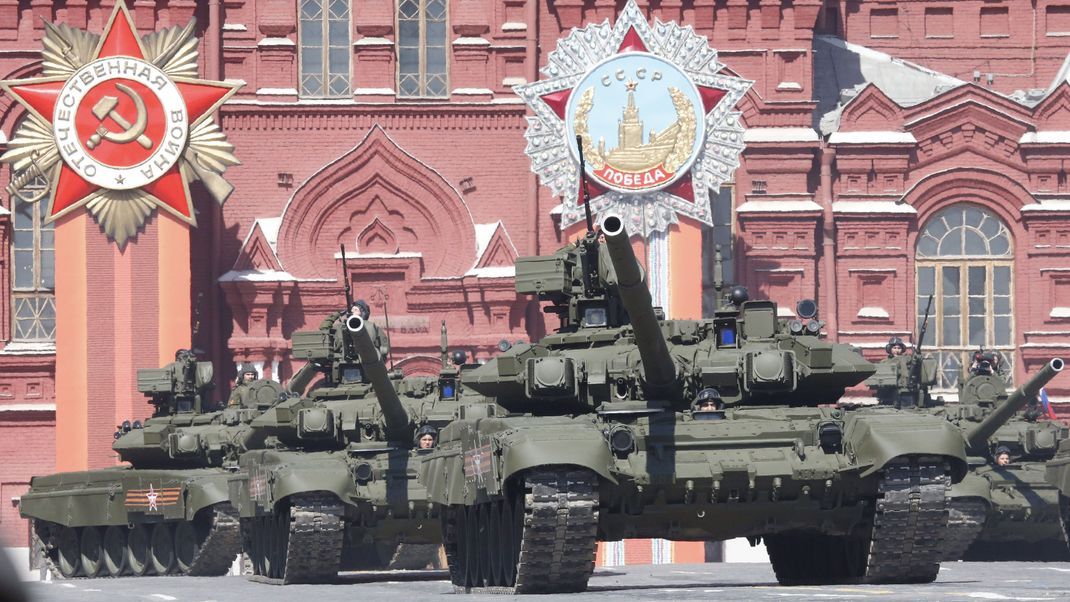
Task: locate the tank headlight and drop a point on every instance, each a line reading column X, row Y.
column 621, row 441
column 830, row 437
column 795, row 326
column 363, row 472
column 813, row 326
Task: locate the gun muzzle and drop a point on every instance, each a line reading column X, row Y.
column 355, row 323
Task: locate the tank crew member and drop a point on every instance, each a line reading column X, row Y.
column 426, row 437
column 361, row 308
column 708, row 405
column 895, row 347
column 988, row 363
column 1003, row 455
column 246, row 375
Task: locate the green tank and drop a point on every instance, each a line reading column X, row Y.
column 333, row 485
column 1057, row 473
column 167, row 512
column 625, row 425
column 1011, row 510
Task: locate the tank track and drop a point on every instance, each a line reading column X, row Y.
column 902, row 543
column 965, row 520
column 1064, row 517
column 313, row 540
column 556, row 537
column 220, row 546
column 910, row 524
column 214, row 559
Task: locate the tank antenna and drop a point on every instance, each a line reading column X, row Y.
column 386, row 318
column 583, row 182
column 345, row 280
column 442, row 347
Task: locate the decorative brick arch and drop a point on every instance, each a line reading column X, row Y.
column 419, row 365
column 376, row 199
column 10, row 111
column 995, row 191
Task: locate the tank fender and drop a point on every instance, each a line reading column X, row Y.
column 581, row 445
column 873, row 440
column 204, row 492
column 1057, row 470
column 323, row 475
column 972, row 485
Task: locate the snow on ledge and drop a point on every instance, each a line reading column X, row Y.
column 276, row 42
column 507, row 271
column 1046, row 137
column 257, row 276
column 780, row 135
column 1059, row 312
column 1048, row 205
column 873, row 312
column 877, row 137
column 29, row 348
column 777, row 206
column 871, row 207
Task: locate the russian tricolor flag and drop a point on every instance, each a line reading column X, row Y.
column 1050, row 413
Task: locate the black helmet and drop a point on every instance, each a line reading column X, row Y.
column 362, row 308
column 708, row 394
column 1003, row 449
column 426, row 429
column 738, row 295
column 894, row 342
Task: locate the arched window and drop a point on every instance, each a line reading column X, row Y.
column 325, row 48
column 422, row 48
column 965, row 259
column 33, row 265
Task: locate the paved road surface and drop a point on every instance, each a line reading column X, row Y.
column 750, row 582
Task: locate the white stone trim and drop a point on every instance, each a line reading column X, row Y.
column 1059, row 312
column 513, row 26
column 29, row 348
column 872, row 207
column 784, row 312
column 472, row 91
column 873, row 313
column 398, row 255
column 266, row 276
column 514, row 81
column 276, row 42
column 373, row 41
column 471, row 41
column 1047, row 205
column 778, row 206
column 773, row 134
column 874, row 137
column 1046, row 137
column 506, row 271
column 27, row 407
column 277, row 91
column 234, row 27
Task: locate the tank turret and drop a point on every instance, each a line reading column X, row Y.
column 394, row 414
column 179, row 387
column 658, row 365
column 978, row 435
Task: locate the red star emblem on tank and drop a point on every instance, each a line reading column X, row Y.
column 125, row 120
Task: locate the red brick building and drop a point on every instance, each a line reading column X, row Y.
column 893, row 149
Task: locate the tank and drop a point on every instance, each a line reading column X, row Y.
column 168, row 511
column 1012, row 509
column 1057, row 473
column 333, row 484
column 622, row 424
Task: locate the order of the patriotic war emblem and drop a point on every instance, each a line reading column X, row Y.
column 119, row 124
column 655, row 113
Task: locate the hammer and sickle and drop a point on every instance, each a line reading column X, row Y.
column 105, row 108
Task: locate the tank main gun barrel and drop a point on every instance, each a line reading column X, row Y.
column 978, row 435
column 658, row 365
column 397, row 419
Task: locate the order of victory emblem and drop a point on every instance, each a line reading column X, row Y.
column 655, row 116
column 119, row 124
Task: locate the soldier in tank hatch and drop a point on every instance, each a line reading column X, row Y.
column 426, row 436
column 895, row 347
column 1003, row 455
column 708, row 405
column 246, row 375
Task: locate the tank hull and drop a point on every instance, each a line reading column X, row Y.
column 128, row 521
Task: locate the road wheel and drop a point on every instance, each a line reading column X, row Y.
column 187, row 545
column 162, row 549
column 114, row 548
column 68, row 552
column 137, row 551
column 91, row 549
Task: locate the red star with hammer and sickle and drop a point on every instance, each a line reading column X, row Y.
column 120, row 39
column 633, row 42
